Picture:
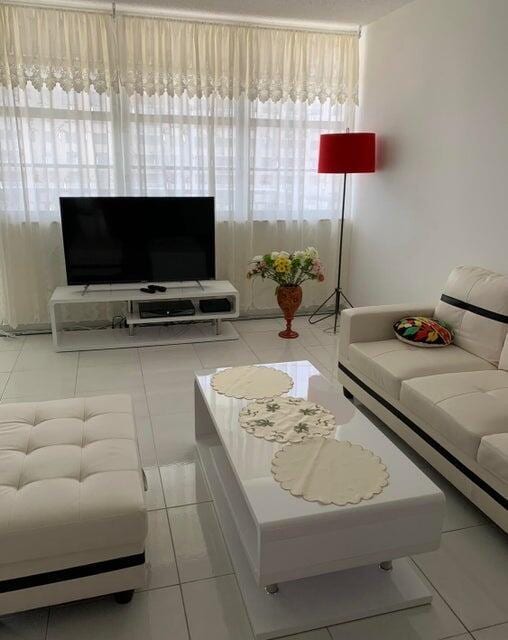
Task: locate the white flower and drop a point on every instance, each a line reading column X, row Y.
column 311, row 252
column 299, row 254
column 274, row 254
column 257, row 258
column 284, row 254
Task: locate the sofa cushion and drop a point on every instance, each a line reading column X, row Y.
column 493, row 455
column 69, row 478
column 461, row 407
column 471, row 294
column 389, row 362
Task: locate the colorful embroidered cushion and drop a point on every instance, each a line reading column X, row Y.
column 423, row 332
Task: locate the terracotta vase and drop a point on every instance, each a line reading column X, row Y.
column 289, row 299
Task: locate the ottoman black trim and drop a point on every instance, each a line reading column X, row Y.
column 471, row 475
column 72, row 573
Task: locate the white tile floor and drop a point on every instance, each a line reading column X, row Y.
column 192, row 592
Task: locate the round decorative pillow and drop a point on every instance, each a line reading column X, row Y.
column 423, row 332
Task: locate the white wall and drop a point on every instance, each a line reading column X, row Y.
column 435, row 90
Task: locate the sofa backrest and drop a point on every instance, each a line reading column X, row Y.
column 475, row 304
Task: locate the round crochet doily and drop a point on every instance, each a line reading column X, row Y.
column 251, row 383
column 329, row 471
column 286, row 419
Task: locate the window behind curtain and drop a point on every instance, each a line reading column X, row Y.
column 91, row 105
column 177, row 146
column 261, row 152
column 52, row 143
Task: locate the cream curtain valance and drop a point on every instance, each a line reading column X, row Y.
column 48, row 46
column 158, row 56
column 80, row 50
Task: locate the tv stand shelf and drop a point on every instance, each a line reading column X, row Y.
column 142, row 332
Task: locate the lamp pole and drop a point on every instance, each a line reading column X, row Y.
column 343, row 153
column 337, row 293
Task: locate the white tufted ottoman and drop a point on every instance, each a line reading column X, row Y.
column 72, row 513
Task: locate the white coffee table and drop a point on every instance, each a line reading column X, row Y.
column 302, row 565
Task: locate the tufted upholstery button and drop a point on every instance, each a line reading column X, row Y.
column 70, row 478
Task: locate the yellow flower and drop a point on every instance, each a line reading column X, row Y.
column 282, row 264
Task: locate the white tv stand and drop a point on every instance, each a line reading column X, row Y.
column 143, row 332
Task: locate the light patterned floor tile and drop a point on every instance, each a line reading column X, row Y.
column 199, row 547
column 174, row 438
column 152, row 615
column 8, row 360
column 184, row 483
column 42, row 341
column 492, row 633
column 146, row 443
column 49, row 385
column 318, row 634
column 285, row 353
column 429, row 622
column 41, row 360
column 215, row 610
column 169, row 358
column 160, row 556
column 470, row 572
column 105, row 379
column 258, row 341
column 12, row 344
column 154, row 496
column 108, row 357
column 4, row 377
column 30, row 625
column 225, row 354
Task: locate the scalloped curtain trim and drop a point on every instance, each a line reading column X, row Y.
column 151, row 56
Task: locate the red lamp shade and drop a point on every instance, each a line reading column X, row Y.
column 347, row 153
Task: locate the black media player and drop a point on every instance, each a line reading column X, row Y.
column 166, row 309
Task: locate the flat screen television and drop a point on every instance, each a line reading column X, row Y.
column 119, row 240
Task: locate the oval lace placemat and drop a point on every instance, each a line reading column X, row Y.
column 329, row 471
column 251, row 383
column 286, row 419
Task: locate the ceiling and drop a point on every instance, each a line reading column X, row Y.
column 339, row 12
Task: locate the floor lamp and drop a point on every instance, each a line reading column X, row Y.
column 343, row 153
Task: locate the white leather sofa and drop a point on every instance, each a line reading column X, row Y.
column 72, row 514
column 450, row 404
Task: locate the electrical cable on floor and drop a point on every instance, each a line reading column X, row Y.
column 121, row 320
column 6, row 334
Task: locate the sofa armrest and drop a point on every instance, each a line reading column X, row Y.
column 368, row 324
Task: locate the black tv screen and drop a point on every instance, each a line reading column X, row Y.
column 118, row 240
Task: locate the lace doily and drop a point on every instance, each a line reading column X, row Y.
column 286, row 419
column 329, row 471
column 251, row 383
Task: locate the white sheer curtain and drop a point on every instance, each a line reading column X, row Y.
column 91, row 105
column 56, row 139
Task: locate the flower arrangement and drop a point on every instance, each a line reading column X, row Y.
column 288, row 269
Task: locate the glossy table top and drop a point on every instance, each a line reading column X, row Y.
column 251, row 457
